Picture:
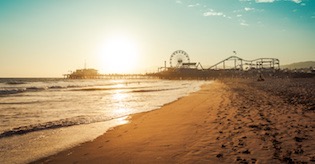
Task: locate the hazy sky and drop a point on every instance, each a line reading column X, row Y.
column 41, row 38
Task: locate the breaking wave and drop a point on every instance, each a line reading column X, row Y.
column 79, row 120
column 8, row 91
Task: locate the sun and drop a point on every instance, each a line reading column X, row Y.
column 119, row 55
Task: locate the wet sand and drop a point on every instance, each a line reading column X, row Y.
column 228, row 121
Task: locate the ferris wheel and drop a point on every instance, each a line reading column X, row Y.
column 178, row 58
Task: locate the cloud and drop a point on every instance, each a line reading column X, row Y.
column 244, row 24
column 195, row 5
column 179, row 1
column 271, row 1
column 248, row 9
column 297, row 1
column 264, row 1
column 213, row 13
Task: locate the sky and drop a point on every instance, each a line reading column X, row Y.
column 51, row 38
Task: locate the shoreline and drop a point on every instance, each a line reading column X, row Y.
column 69, row 114
column 221, row 123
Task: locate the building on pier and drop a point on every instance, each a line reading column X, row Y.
column 83, row 74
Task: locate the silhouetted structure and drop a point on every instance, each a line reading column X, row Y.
column 242, row 64
column 93, row 74
column 182, row 68
column 83, row 74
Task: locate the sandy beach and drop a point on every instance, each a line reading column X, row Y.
column 227, row 121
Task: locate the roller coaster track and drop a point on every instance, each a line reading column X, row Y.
column 239, row 63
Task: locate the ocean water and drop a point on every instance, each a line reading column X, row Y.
column 39, row 117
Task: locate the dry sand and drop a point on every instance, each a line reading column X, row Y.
column 225, row 122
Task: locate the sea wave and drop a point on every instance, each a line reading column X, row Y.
column 106, row 88
column 155, row 90
column 18, row 103
column 56, row 87
column 8, row 91
column 35, row 88
column 11, row 90
column 78, row 120
column 15, row 82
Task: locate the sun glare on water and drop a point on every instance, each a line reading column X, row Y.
column 119, row 55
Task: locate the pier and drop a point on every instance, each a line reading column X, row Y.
column 181, row 67
column 93, row 74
